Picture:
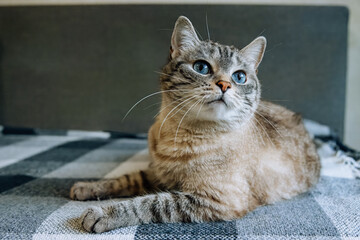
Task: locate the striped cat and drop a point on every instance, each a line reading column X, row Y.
column 217, row 150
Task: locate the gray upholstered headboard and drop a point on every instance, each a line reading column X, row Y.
column 83, row 67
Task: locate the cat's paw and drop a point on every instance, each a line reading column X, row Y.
column 95, row 220
column 82, row 191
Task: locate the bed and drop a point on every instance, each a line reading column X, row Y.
column 37, row 172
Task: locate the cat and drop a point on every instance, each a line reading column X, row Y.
column 217, row 150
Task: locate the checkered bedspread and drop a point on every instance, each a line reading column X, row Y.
column 36, row 173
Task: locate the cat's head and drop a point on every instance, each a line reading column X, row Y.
column 209, row 81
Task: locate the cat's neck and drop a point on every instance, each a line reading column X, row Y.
column 176, row 124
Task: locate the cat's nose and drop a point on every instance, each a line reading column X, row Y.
column 223, row 85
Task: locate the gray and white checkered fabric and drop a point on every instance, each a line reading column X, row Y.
column 37, row 172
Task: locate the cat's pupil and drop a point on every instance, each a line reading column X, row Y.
column 202, row 67
column 239, row 77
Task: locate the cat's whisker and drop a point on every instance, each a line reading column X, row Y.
column 252, row 59
column 263, row 106
column 177, row 130
column 270, row 124
column 185, row 102
column 276, row 100
column 277, row 45
column 174, row 77
column 182, row 108
column 198, row 33
column 264, row 130
column 261, row 33
column 162, row 109
column 179, row 110
column 207, row 26
column 162, row 124
column 162, row 73
column 151, row 105
column 171, row 76
column 254, row 51
column 197, row 115
column 237, row 101
column 254, row 127
column 146, row 97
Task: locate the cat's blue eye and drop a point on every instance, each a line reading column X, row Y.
column 202, row 67
column 239, row 77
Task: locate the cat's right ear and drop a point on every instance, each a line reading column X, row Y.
column 183, row 37
column 254, row 52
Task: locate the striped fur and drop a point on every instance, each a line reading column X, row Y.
column 151, row 208
column 215, row 155
column 124, row 186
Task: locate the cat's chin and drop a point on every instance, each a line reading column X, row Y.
column 216, row 111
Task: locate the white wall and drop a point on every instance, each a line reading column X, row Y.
column 352, row 111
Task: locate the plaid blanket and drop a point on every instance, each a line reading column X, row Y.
column 36, row 173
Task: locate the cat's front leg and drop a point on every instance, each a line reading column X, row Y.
column 128, row 185
column 155, row 208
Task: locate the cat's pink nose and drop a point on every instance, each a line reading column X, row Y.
column 223, row 85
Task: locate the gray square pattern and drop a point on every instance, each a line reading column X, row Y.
column 34, row 200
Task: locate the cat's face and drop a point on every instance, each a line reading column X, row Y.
column 210, row 81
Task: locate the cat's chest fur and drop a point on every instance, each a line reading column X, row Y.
column 205, row 164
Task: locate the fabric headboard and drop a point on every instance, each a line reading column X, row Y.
column 83, row 67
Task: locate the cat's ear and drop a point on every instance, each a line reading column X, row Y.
column 183, row 37
column 254, row 52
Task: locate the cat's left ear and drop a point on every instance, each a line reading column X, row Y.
column 183, row 37
column 254, row 52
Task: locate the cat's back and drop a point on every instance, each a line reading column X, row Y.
column 275, row 114
column 289, row 153
column 284, row 130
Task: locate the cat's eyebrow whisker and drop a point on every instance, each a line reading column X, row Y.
column 254, row 51
column 253, row 59
column 261, row 33
column 146, row 97
column 277, row 45
column 162, row 124
column 177, row 130
column 198, row 33
column 207, row 25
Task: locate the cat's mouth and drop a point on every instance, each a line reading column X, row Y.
column 218, row 100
